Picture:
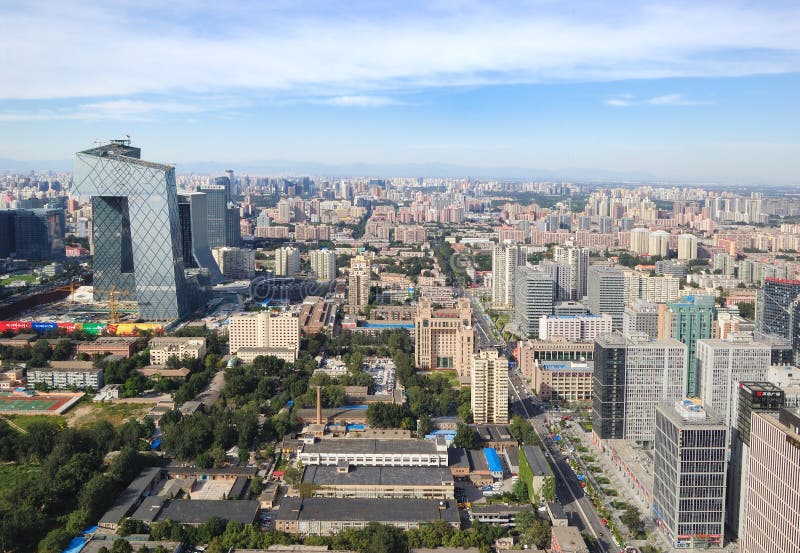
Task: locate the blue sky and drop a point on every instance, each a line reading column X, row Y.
column 694, row 90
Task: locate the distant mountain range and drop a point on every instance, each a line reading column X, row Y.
column 435, row 170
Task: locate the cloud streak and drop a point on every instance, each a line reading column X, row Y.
column 627, row 100
column 103, row 50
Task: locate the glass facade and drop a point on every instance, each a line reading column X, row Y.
column 608, row 387
column 774, row 302
column 692, row 319
column 217, row 204
column 137, row 235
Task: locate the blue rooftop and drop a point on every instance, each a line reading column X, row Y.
column 492, row 459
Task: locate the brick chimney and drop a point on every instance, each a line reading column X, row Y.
column 319, row 404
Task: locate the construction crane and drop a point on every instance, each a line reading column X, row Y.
column 113, row 293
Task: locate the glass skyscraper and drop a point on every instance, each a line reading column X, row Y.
column 217, row 198
column 137, row 236
column 690, row 319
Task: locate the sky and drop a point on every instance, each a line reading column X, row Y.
column 672, row 90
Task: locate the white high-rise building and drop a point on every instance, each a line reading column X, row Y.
column 722, row 364
column 505, row 260
column 489, row 380
column 658, row 243
column 275, row 333
column 578, row 259
column 640, row 241
column 687, row 247
column 359, row 282
column 655, row 371
column 574, row 328
column 656, row 289
column 235, row 262
column 606, row 292
column 287, row 261
column 323, row 264
column 689, row 475
column 533, row 298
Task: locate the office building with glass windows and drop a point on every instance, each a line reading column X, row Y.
column 137, row 236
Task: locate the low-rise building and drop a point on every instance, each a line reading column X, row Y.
column 567, row 539
column 66, row 374
column 328, row 516
column 563, row 381
column 162, row 348
column 113, row 345
column 534, row 470
column 194, row 512
column 376, row 453
column 348, row 481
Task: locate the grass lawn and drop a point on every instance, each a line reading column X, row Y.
column 10, row 474
column 24, row 421
column 25, row 278
column 88, row 412
column 448, row 375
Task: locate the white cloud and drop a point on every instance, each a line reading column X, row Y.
column 626, row 100
column 116, row 110
column 100, row 50
column 359, row 101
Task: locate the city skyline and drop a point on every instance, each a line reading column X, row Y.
column 665, row 91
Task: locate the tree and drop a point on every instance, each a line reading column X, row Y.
column 63, row 350
column 385, row 539
column 524, row 519
column 520, row 491
column 747, row 310
column 632, row 518
column 538, row 534
column 121, row 546
column 549, row 489
column 54, row 542
column 466, row 437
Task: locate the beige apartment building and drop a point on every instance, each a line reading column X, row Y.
column 489, row 380
column 444, row 337
column 163, row 348
column 275, row 333
column 359, row 282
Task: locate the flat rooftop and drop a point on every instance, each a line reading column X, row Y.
column 377, row 510
column 358, row 446
column 379, row 476
column 193, row 511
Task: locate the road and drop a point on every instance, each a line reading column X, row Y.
column 568, row 489
column 483, row 326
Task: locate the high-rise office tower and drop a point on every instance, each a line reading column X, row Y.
column 561, row 275
column 217, row 202
column 505, row 260
column 287, row 261
column 137, row 236
column 192, row 209
column 655, row 371
column 7, row 240
column 722, row 364
column 689, row 474
column 632, row 374
column 608, row 387
column 578, row 260
column 323, row 263
column 773, row 305
column 752, row 397
column 772, row 520
column 233, row 228
column 533, row 298
column 606, row 292
column 489, row 380
column 444, row 337
column 33, row 234
column 359, row 282
column 687, row 247
column 689, row 319
column 640, row 316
